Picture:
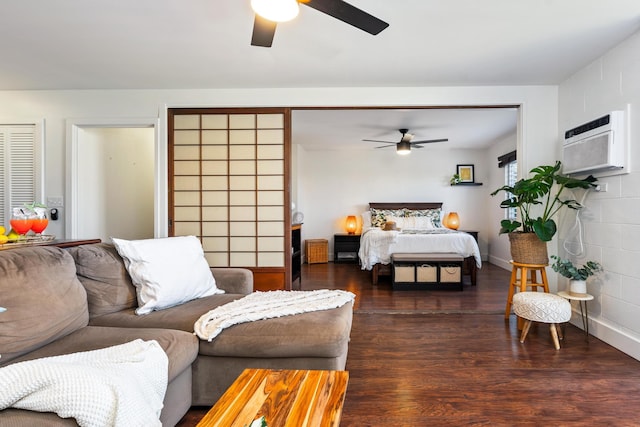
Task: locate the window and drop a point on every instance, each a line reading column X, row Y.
column 18, row 174
column 510, row 178
column 510, row 165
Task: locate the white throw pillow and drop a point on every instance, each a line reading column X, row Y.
column 423, row 223
column 366, row 220
column 166, row 272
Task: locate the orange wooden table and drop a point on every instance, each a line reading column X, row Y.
column 295, row 398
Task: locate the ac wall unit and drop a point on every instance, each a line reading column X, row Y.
column 596, row 146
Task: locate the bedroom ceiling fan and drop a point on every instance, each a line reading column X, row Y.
column 406, row 142
column 270, row 12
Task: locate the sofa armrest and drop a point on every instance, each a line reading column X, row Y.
column 233, row 280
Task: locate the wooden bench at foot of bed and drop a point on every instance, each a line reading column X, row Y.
column 469, row 268
column 437, row 271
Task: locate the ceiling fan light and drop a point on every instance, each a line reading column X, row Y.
column 403, row 148
column 276, row 10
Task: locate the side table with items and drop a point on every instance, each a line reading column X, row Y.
column 582, row 301
column 345, row 248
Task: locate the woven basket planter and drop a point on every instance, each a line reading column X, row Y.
column 527, row 248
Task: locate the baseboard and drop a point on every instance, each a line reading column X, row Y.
column 499, row 262
column 610, row 334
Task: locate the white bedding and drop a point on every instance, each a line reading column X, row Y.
column 376, row 245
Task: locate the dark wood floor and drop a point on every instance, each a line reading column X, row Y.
column 448, row 358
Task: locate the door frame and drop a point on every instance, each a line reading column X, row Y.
column 73, row 127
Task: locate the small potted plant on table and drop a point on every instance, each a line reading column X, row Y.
column 577, row 275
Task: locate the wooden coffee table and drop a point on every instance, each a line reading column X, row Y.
column 295, row 398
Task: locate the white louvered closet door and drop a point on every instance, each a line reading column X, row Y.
column 17, row 168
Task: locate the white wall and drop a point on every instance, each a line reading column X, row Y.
column 334, row 184
column 115, row 183
column 611, row 220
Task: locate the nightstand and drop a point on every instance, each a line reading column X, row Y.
column 345, row 248
column 473, row 233
column 469, row 267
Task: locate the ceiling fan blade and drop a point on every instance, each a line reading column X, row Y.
column 377, row 140
column 263, row 32
column 385, row 146
column 348, row 14
column 429, row 141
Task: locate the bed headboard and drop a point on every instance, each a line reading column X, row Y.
column 407, row 205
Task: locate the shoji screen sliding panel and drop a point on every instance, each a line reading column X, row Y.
column 229, row 187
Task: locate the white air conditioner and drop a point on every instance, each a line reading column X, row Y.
column 596, row 146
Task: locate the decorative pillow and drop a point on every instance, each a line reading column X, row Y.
column 422, row 223
column 166, row 272
column 366, row 220
column 379, row 216
column 43, row 298
column 434, row 214
column 103, row 274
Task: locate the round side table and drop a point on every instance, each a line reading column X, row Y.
column 582, row 301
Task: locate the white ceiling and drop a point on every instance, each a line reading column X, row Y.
column 154, row 44
column 345, row 129
column 183, row 44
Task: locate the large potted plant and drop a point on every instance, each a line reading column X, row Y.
column 529, row 234
column 577, row 275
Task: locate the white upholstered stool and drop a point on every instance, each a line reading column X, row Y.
column 542, row 307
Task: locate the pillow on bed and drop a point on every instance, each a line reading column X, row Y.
column 418, row 223
column 380, row 216
column 433, row 214
column 366, row 220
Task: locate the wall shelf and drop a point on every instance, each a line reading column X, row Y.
column 466, row 183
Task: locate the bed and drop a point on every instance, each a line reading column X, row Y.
column 419, row 230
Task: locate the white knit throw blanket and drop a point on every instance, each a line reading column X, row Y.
column 123, row 385
column 267, row 305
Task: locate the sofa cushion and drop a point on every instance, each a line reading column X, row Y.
column 180, row 317
column 166, row 272
column 181, row 347
column 103, row 274
column 43, row 297
column 315, row 334
column 323, row 333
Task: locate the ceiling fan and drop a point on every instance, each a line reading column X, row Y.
column 406, row 143
column 264, row 25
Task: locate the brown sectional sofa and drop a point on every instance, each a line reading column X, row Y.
column 89, row 302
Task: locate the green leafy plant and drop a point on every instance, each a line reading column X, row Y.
column 455, row 179
column 544, row 187
column 260, row 422
column 570, row 271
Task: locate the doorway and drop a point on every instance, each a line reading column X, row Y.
column 112, row 181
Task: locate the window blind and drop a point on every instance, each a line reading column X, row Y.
column 17, row 168
column 505, row 159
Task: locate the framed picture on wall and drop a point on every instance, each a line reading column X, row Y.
column 465, row 172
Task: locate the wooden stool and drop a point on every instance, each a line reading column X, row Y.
column 526, row 278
